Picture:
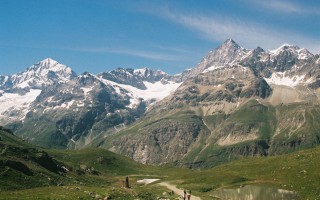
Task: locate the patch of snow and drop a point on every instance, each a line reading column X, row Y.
column 117, row 89
column 70, row 103
column 66, row 105
column 86, row 90
column 246, row 54
column 279, row 78
column 17, row 101
column 281, row 48
column 6, row 78
column 303, row 54
column 157, row 90
column 87, row 75
column 25, row 84
column 133, row 103
column 212, row 68
column 47, row 109
column 147, row 181
column 80, row 104
column 140, row 71
column 50, row 99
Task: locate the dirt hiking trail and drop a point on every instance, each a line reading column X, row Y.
column 177, row 190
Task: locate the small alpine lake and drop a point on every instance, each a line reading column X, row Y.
column 252, row 192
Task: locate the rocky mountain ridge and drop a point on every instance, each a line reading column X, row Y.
column 242, row 103
column 236, row 102
column 69, row 109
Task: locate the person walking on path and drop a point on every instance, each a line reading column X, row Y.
column 184, row 195
column 189, row 195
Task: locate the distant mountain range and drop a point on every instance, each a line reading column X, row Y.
column 236, row 102
column 51, row 105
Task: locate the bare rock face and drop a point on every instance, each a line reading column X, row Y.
column 168, row 141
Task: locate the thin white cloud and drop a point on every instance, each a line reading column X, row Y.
column 165, row 53
column 173, row 49
column 285, row 6
column 133, row 52
column 248, row 33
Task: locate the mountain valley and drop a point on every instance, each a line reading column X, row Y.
column 240, row 118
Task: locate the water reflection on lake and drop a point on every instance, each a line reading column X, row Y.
column 250, row 192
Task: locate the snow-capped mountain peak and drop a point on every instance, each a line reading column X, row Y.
column 299, row 53
column 304, row 54
column 48, row 62
column 226, row 54
column 147, row 72
column 87, row 78
column 44, row 73
column 140, row 71
column 229, row 43
column 258, row 50
column 87, row 75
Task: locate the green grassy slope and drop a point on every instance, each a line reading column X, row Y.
column 23, row 165
column 98, row 173
column 30, row 172
column 298, row 171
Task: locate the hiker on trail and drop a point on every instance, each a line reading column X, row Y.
column 189, row 195
column 184, row 195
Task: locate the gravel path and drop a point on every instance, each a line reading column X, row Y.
column 177, row 190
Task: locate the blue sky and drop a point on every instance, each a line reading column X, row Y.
column 100, row 35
